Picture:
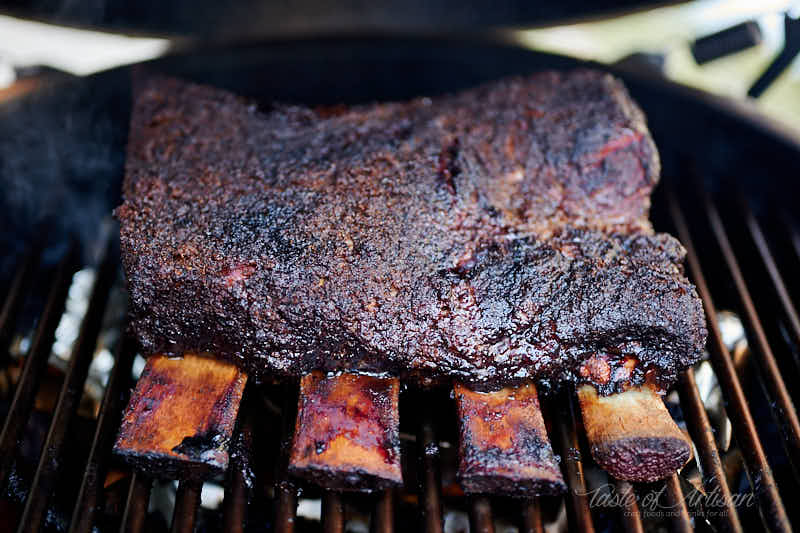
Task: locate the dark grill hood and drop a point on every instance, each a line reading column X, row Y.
column 259, row 18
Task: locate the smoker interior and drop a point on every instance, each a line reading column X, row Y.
column 726, row 193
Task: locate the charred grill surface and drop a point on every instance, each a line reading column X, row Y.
column 494, row 236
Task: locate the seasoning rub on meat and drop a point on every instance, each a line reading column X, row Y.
column 492, row 237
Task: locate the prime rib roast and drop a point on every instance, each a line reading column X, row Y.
column 489, row 237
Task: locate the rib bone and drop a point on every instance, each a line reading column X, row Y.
column 347, row 435
column 632, row 435
column 503, row 443
column 180, row 418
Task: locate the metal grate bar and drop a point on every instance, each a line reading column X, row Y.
column 16, row 297
column 286, row 498
column 681, row 523
column 286, row 510
column 531, row 517
column 431, row 480
column 631, row 516
column 782, row 406
column 580, row 519
column 187, row 502
column 235, row 502
column 133, row 518
column 774, row 273
column 383, row 514
column 107, row 422
column 332, row 512
column 702, row 434
column 44, row 480
column 480, row 515
column 35, row 363
column 759, row 472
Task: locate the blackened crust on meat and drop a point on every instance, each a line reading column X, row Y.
column 493, row 236
column 643, row 460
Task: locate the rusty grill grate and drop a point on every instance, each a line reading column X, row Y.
column 737, row 260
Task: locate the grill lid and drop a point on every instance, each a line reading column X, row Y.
column 258, row 19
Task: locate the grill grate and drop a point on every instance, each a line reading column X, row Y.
column 772, row 509
column 716, row 251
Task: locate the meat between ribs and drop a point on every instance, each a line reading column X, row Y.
column 492, row 236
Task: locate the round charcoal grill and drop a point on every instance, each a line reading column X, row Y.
column 727, row 193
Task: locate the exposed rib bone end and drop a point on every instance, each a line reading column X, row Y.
column 632, row 435
column 504, row 448
column 347, row 432
column 180, row 418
